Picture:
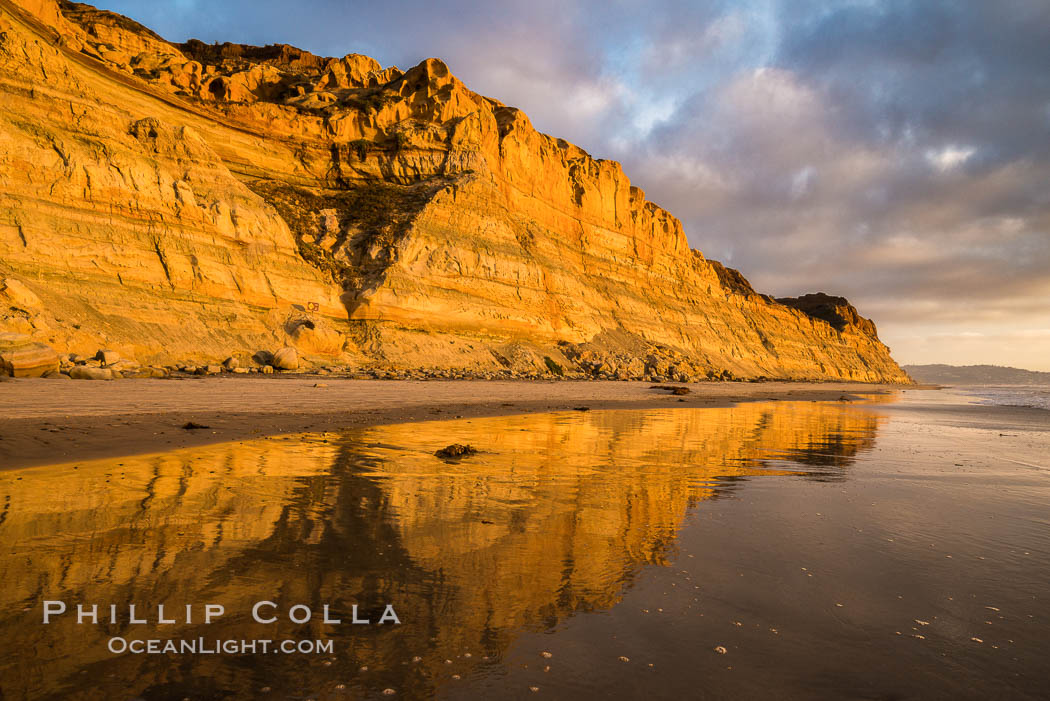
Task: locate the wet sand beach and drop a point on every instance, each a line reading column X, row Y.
column 49, row 421
column 892, row 546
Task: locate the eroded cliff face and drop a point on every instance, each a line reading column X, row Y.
column 183, row 201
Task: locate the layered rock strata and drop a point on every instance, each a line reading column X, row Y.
column 194, row 201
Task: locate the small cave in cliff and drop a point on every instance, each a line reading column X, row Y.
column 217, row 88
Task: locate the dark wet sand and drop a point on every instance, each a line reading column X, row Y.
column 944, row 409
column 892, row 548
column 53, row 421
column 918, row 573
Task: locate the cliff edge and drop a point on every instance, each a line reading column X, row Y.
column 186, row 202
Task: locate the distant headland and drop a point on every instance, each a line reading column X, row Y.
column 976, row 375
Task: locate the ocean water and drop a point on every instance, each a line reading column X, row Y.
column 1035, row 396
column 787, row 550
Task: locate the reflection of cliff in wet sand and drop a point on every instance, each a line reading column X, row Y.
column 556, row 516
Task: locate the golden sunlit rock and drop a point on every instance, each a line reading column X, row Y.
column 201, row 199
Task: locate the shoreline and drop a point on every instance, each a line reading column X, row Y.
column 49, row 422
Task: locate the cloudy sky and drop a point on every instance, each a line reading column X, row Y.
column 894, row 152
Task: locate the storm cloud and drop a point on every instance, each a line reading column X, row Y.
column 894, row 152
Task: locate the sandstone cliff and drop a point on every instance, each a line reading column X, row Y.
column 192, row 201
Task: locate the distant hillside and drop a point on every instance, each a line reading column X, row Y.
column 975, row 375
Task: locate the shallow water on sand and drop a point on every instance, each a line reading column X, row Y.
column 771, row 550
column 1033, row 396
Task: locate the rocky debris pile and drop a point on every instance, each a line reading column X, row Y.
column 106, row 364
column 22, row 357
column 655, row 363
column 261, row 362
column 456, row 451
